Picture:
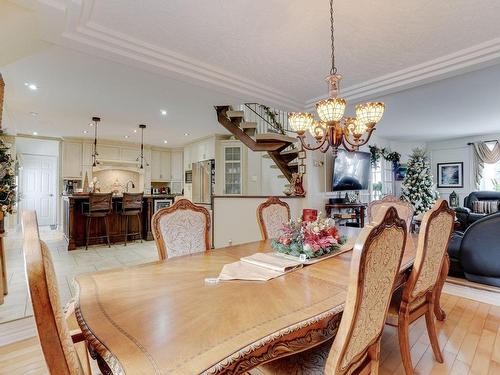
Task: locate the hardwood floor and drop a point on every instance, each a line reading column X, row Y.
column 469, row 339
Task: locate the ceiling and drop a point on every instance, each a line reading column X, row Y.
column 125, row 59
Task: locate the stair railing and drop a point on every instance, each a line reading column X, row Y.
column 268, row 119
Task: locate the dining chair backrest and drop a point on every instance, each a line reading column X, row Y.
column 100, row 202
column 271, row 215
column 435, row 232
column 181, row 229
column 132, row 201
column 405, row 209
column 57, row 345
column 375, row 264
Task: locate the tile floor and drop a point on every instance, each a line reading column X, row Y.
column 68, row 264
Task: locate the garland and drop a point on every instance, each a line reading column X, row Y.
column 273, row 121
column 7, row 180
column 377, row 153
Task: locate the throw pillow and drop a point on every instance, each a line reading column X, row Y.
column 493, row 207
column 478, row 207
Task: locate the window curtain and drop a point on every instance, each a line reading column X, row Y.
column 484, row 154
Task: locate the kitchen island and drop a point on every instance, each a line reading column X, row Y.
column 74, row 221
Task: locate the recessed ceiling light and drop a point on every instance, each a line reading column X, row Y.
column 31, row 86
column 126, row 136
column 85, row 131
column 34, row 113
column 135, row 130
column 165, row 141
column 186, row 134
column 163, row 112
column 91, row 124
column 35, row 133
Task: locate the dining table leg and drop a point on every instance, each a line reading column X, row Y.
column 438, row 311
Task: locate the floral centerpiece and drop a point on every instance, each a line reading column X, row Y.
column 310, row 238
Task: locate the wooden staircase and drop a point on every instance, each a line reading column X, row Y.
column 275, row 144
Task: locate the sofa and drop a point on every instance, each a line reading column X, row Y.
column 466, row 215
column 475, row 253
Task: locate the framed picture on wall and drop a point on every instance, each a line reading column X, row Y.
column 400, row 172
column 450, row 175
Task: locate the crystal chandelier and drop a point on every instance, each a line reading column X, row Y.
column 334, row 130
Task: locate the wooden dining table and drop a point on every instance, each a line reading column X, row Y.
column 164, row 318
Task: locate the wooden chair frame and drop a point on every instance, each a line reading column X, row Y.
column 269, row 202
column 358, row 263
column 182, row 204
column 390, row 200
column 45, row 315
column 407, row 315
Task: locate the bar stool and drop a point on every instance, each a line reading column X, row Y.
column 132, row 206
column 98, row 206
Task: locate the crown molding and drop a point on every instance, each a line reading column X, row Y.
column 468, row 59
column 89, row 36
column 80, row 29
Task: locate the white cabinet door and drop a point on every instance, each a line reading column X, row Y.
column 176, row 165
column 165, row 172
column 155, row 165
column 187, row 158
column 87, row 153
column 72, row 160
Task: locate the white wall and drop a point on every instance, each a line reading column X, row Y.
column 457, row 150
column 240, row 225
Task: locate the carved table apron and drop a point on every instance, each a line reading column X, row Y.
column 161, row 318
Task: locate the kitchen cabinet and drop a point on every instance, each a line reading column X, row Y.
column 176, row 164
column 187, row 157
column 165, row 166
column 160, row 165
column 72, row 160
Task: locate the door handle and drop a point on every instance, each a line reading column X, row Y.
column 51, row 195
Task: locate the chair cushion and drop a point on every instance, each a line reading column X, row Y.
column 309, row 362
column 393, row 313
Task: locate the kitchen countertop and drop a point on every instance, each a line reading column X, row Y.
column 154, row 196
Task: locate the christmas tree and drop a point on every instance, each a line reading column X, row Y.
column 7, row 180
column 418, row 186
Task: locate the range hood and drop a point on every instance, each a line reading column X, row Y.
column 122, row 165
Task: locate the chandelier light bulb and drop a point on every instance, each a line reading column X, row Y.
column 300, row 121
column 331, row 110
column 370, row 113
column 317, row 129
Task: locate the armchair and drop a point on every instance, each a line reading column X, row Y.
column 475, row 253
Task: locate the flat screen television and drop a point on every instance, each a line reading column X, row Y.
column 351, row 171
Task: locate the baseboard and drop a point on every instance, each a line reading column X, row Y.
column 471, row 284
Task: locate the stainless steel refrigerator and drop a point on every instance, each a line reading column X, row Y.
column 203, row 182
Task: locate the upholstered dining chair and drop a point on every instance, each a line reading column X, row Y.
column 375, row 264
column 57, row 341
column 181, row 229
column 417, row 297
column 271, row 215
column 405, row 209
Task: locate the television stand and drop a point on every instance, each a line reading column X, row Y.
column 356, row 212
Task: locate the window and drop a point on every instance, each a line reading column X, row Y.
column 491, row 177
column 232, row 170
column 382, row 180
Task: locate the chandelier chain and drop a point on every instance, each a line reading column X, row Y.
column 333, row 70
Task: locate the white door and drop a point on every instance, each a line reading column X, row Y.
column 38, row 187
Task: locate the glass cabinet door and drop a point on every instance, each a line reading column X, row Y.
column 232, row 170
